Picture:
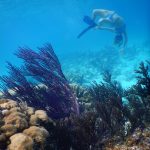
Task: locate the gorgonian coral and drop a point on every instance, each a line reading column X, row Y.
column 40, row 82
column 107, row 97
column 138, row 96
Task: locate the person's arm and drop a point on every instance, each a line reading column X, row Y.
column 94, row 14
column 125, row 39
column 125, row 43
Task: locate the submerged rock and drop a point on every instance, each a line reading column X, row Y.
column 29, row 129
column 30, row 111
column 9, row 129
column 2, row 138
column 38, row 134
column 139, row 140
column 20, row 129
column 7, row 104
column 42, row 115
column 34, row 120
column 21, row 141
column 18, row 119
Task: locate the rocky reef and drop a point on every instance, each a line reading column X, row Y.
column 139, row 140
column 24, row 128
column 40, row 110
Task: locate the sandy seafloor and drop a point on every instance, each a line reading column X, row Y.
column 89, row 67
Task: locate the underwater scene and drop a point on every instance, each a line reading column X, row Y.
column 74, row 75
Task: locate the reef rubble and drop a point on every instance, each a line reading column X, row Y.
column 139, row 140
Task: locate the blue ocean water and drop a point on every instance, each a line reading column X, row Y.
column 34, row 22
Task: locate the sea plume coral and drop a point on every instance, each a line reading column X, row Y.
column 107, row 97
column 143, row 84
column 40, row 82
column 138, row 96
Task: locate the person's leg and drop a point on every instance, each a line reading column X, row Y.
column 96, row 12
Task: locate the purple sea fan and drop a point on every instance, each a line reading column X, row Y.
column 40, row 82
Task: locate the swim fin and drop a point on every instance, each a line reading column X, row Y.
column 84, row 31
column 91, row 24
column 89, row 21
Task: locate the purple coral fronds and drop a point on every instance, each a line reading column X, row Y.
column 44, row 69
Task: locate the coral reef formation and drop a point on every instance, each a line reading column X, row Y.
column 20, row 141
column 18, row 131
column 87, row 131
column 139, row 140
column 111, row 118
